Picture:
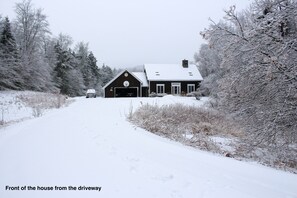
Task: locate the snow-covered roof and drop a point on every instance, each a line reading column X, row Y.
column 142, row 77
column 91, row 91
column 172, row 72
column 138, row 75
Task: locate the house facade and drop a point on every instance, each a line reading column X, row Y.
column 159, row 79
column 127, row 84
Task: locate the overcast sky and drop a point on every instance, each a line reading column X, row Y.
column 127, row 33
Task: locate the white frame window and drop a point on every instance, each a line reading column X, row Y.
column 175, row 88
column 160, row 88
column 191, row 88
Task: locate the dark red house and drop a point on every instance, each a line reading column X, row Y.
column 160, row 79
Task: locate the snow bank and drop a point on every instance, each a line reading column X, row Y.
column 12, row 108
column 20, row 105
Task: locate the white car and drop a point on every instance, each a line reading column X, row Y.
column 91, row 93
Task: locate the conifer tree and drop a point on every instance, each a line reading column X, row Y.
column 9, row 59
column 67, row 74
column 106, row 74
column 93, row 70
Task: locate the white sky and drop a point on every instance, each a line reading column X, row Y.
column 127, row 33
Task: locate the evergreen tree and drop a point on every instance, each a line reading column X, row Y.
column 67, row 75
column 60, row 71
column 77, row 86
column 93, row 70
column 9, row 59
column 82, row 61
column 106, row 74
column 1, row 23
column 7, row 40
column 30, row 59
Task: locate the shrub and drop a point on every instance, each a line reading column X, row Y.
column 42, row 101
column 153, row 94
column 187, row 124
column 201, row 127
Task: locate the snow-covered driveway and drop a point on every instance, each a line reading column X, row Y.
column 91, row 144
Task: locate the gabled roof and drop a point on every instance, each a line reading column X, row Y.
column 142, row 77
column 136, row 75
column 172, row 72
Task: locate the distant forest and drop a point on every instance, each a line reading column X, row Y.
column 32, row 59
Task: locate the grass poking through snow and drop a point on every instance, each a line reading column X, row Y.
column 194, row 126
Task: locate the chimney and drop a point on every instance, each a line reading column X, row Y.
column 185, row 63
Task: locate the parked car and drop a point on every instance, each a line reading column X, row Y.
column 91, row 93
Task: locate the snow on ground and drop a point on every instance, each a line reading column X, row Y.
column 224, row 143
column 16, row 106
column 12, row 108
column 90, row 143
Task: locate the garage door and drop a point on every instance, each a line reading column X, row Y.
column 126, row 92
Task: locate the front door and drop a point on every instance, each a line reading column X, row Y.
column 175, row 88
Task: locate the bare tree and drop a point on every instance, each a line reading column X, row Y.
column 65, row 41
column 31, row 29
column 259, row 55
column 208, row 60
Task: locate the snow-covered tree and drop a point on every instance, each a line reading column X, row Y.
column 31, row 28
column 94, row 71
column 87, row 62
column 209, row 61
column 31, row 59
column 106, row 74
column 1, row 23
column 259, row 83
column 65, row 41
column 82, row 51
column 67, row 74
column 10, row 77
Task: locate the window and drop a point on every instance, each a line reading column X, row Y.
column 191, row 88
column 175, row 88
column 160, row 88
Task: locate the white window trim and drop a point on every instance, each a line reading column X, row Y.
column 190, row 85
column 160, row 85
column 176, row 85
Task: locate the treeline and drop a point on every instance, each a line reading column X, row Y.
column 32, row 59
column 250, row 70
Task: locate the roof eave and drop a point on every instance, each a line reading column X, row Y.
column 114, row 79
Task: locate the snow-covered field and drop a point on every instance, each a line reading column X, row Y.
column 90, row 143
column 12, row 108
column 17, row 106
